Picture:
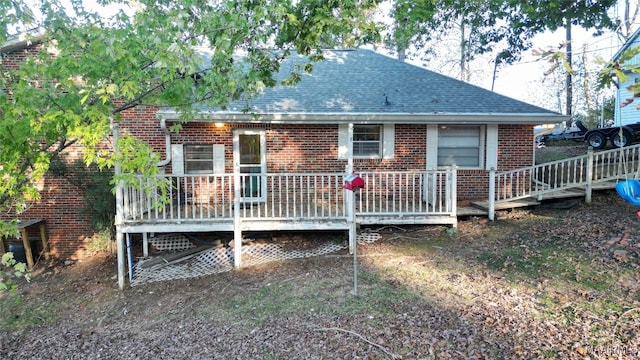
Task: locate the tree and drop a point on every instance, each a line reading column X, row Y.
column 628, row 19
column 505, row 26
column 90, row 68
column 425, row 23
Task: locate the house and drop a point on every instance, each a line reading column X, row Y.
column 626, row 102
column 421, row 142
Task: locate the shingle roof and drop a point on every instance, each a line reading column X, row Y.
column 362, row 82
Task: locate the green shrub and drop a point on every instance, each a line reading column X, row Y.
column 11, row 271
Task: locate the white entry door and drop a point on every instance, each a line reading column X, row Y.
column 249, row 155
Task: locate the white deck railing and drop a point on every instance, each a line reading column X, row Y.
column 580, row 171
column 407, row 193
column 283, row 197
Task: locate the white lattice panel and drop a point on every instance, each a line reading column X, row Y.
column 367, row 238
column 170, row 242
column 221, row 259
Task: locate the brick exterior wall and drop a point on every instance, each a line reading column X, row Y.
column 68, row 224
column 515, row 150
column 314, row 148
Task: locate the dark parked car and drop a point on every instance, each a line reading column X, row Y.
column 597, row 138
column 561, row 132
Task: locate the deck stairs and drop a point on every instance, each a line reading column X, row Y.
column 574, row 177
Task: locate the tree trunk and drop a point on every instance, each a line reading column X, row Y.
column 569, row 79
column 463, row 53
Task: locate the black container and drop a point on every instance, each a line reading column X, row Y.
column 19, row 254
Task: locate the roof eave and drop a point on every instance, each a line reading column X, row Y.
column 22, row 41
column 378, row 118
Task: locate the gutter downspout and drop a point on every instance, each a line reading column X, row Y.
column 167, row 138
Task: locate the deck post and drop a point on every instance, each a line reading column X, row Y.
column 589, row 176
column 348, row 196
column 145, row 244
column 492, row 194
column 351, row 212
column 454, row 194
column 351, row 219
column 121, row 262
column 237, row 223
column 117, row 170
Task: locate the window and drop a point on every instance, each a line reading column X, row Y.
column 197, row 159
column 367, row 140
column 460, row 145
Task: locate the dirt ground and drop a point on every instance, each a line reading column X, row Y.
column 570, row 148
column 424, row 292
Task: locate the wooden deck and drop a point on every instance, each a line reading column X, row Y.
column 287, row 202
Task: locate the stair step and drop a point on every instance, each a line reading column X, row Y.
column 513, row 204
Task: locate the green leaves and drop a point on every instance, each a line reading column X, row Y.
column 11, row 271
column 509, row 24
column 91, row 66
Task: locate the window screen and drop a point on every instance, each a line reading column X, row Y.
column 367, row 140
column 198, row 159
column 459, row 145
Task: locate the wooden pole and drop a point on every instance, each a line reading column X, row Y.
column 119, row 211
column 237, row 221
column 121, row 262
column 43, row 238
column 27, row 247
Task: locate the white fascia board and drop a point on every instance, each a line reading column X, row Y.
column 22, row 40
column 371, row 118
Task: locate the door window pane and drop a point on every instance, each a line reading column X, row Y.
column 249, row 149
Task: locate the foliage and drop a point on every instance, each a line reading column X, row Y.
column 11, row 271
column 95, row 186
column 101, row 242
column 617, row 72
column 92, row 65
column 504, row 26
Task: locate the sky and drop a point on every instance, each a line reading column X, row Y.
column 525, row 77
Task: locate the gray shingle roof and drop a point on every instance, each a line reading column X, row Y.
column 363, row 82
column 357, row 81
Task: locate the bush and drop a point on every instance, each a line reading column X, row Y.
column 12, row 271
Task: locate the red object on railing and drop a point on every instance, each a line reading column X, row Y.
column 353, row 182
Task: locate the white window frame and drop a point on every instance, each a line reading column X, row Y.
column 179, row 161
column 487, row 152
column 387, row 142
column 358, row 129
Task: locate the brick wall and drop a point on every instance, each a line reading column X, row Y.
column 67, row 223
column 314, row 148
column 13, row 59
column 515, row 150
